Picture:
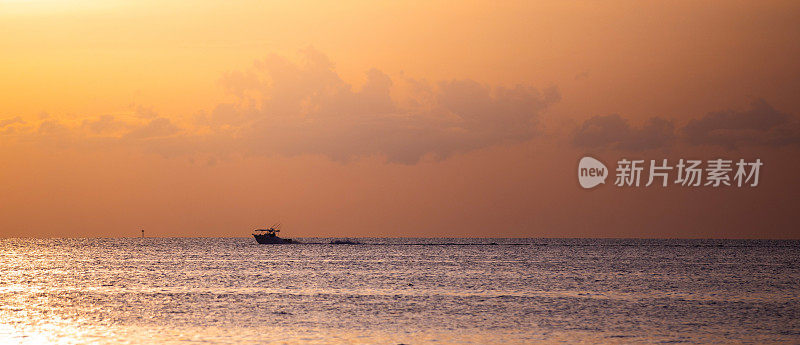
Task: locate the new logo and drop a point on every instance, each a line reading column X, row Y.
column 591, row 172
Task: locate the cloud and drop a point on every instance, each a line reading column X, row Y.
column 612, row 131
column 157, row 127
column 306, row 108
column 12, row 125
column 283, row 107
column 144, row 112
column 53, row 128
column 582, row 75
column 8, row 122
column 105, row 124
column 158, row 134
column 761, row 124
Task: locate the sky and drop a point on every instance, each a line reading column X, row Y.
column 393, row 118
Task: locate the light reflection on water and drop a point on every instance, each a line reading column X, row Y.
column 231, row 290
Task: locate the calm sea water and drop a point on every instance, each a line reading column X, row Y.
column 391, row 291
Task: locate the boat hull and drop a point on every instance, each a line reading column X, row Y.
column 266, row 239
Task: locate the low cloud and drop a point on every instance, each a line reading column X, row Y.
column 155, row 128
column 612, row 131
column 53, row 128
column 289, row 108
column 760, row 124
column 144, row 132
column 105, row 124
column 12, row 121
column 306, row 108
column 12, row 125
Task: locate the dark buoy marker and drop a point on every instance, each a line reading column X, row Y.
column 142, row 233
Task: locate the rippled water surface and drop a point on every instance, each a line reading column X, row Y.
column 232, row 290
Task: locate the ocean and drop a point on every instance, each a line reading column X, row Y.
column 399, row 291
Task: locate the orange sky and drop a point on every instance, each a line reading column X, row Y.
column 394, row 118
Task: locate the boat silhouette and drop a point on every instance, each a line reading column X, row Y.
column 270, row 236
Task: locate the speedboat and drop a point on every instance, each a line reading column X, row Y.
column 270, row 236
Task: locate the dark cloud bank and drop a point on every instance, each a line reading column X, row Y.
column 291, row 108
column 308, row 109
column 760, row 124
